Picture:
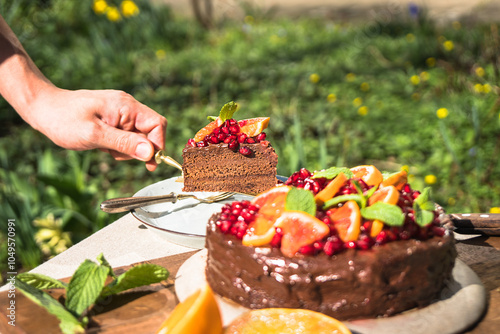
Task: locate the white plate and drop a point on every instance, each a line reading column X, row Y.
column 460, row 305
column 183, row 222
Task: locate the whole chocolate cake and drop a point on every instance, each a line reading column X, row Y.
column 230, row 155
column 352, row 267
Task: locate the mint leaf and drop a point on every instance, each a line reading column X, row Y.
column 300, row 200
column 332, row 172
column 360, row 199
column 41, row 282
column 228, row 111
column 85, row 286
column 102, row 261
column 390, row 214
column 422, row 217
column 69, row 324
column 424, row 196
column 142, row 274
column 212, row 118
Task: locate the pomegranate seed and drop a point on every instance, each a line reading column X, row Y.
column 415, row 194
column 276, row 240
column 233, row 145
column 261, row 136
column 304, row 173
column 367, row 226
column 406, row 189
column 245, row 151
column 350, row 244
column 232, row 121
column 365, row 242
column 216, row 131
column 201, row 143
column 221, row 137
column 241, row 138
column 225, row 226
column 213, row 139
column 439, row 231
column 250, row 141
column 307, row 250
column 318, row 245
column 191, row 142
column 234, row 129
column 225, row 129
column 382, row 237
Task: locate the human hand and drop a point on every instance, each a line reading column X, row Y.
column 109, row 120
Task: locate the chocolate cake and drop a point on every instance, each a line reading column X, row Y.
column 398, row 268
column 218, row 168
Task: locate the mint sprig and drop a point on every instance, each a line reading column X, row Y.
column 423, row 208
column 298, row 199
column 390, row 214
column 228, row 111
column 332, row 172
column 86, row 287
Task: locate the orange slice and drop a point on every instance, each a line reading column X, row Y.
column 347, row 220
column 198, row 314
column 271, row 204
column 285, row 321
column 299, row 229
column 368, row 173
column 253, row 126
column 397, row 180
column 208, row 129
column 331, row 189
column 389, row 195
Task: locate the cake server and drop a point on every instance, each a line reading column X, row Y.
column 476, row 223
column 160, row 157
column 123, row 204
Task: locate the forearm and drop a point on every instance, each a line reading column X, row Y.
column 21, row 82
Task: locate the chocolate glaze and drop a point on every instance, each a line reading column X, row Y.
column 354, row 284
column 217, row 168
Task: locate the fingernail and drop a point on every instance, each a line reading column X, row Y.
column 143, row 151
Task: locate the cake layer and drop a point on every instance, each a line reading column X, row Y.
column 218, row 168
column 382, row 281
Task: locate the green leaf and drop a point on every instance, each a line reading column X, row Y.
column 41, row 282
column 424, row 196
column 390, row 214
column 143, row 274
column 422, row 217
column 344, row 198
column 228, row 111
column 85, row 286
column 332, row 172
column 69, row 324
column 102, row 261
column 212, row 118
column 300, row 200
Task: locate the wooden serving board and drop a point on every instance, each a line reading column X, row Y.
column 141, row 310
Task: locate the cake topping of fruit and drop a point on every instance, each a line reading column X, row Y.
column 224, row 129
column 332, row 210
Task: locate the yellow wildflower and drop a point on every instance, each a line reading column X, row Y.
column 357, row 102
column 448, row 45
column 113, row 14
column 100, row 6
column 350, row 77
column 314, row 78
column 495, row 209
column 451, row 201
column 129, row 8
column 486, row 88
column 479, row 71
column 442, row 113
column 415, row 96
column 363, row 110
column 431, row 61
column 410, row 38
column 365, row 86
column 331, row 97
column 406, row 168
column 415, row 80
column 456, row 25
column 50, row 236
column 478, row 88
column 424, row 76
column 430, row 179
column 161, row 54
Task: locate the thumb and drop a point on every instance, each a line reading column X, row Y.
column 128, row 143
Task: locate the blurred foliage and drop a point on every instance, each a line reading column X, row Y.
column 337, row 93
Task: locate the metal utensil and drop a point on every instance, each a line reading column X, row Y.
column 123, row 204
column 160, row 157
column 476, row 223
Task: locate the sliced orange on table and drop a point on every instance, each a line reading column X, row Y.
column 347, row 221
column 368, row 173
column 331, row 189
column 285, row 321
column 207, row 129
column 397, row 180
column 299, row 229
column 389, row 195
column 198, row 314
column 253, row 126
column 272, row 205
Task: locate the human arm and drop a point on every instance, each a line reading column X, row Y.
column 110, row 120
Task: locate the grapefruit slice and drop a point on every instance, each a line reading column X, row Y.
column 368, row 173
column 347, row 220
column 207, row 129
column 331, row 189
column 389, row 195
column 285, row 321
column 397, row 180
column 253, row 126
column 271, row 205
column 198, row 314
column 299, row 229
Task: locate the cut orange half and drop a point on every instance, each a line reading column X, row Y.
column 198, row 314
column 253, row 126
column 208, row 129
column 285, row 321
column 368, row 173
column 389, row 195
column 299, row 229
column 347, row 220
column 331, row 189
column 397, row 180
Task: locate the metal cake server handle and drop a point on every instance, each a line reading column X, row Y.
column 161, row 156
column 473, row 223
